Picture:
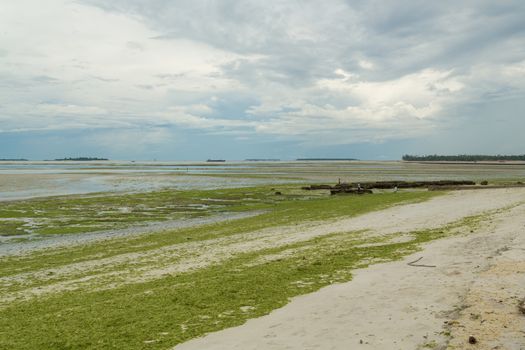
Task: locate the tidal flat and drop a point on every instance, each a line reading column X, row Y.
column 24, row 180
column 178, row 284
column 142, row 280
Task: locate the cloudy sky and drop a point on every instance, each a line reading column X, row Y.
column 197, row 79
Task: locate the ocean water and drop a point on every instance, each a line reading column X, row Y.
column 22, row 180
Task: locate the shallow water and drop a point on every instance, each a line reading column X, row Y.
column 23, row 180
column 20, row 180
column 116, row 167
column 64, row 185
column 13, row 245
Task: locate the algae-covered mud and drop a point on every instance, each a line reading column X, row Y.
column 81, row 214
column 156, row 290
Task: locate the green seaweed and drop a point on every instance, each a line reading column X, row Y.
column 162, row 313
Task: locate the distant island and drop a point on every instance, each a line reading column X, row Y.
column 216, row 160
column 12, row 160
column 80, row 159
column 463, row 158
column 324, row 159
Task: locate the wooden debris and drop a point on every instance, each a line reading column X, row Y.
column 413, row 263
column 388, row 185
column 350, row 191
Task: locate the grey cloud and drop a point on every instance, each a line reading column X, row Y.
column 104, row 79
column 168, row 76
column 252, row 28
column 401, row 36
column 45, row 79
column 145, row 86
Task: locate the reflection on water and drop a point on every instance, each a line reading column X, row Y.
column 22, row 180
column 107, row 183
column 117, row 167
column 54, row 187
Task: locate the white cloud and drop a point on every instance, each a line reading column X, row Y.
column 366, row 64
column 76, row 55
column 417, row 89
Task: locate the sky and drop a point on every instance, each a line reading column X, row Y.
column 199, row 79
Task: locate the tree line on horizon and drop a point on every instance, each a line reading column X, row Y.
column 462, row 158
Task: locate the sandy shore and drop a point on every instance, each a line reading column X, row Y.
column 474, row 288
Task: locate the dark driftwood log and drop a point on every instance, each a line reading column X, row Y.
column 389, row 185
column 350, row 191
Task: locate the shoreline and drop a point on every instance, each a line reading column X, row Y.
column 398, row 306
